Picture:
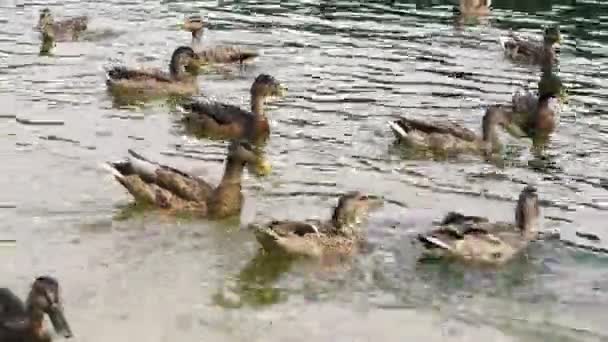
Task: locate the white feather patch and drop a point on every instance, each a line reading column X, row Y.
column 397, row 129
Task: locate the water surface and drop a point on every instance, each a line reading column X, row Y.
column 350, row 66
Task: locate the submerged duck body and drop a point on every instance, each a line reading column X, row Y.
column 24, row 322
column 449, row 136
column 216, row 54
column 476, row 240
column 180, row 80
column 532, row 51
column 225, row 121
column 62, row 30
column 339, row 236
column 175, row 191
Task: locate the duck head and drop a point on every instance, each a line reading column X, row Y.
column 527, row 212
column 266, row 86
column 551, row 35
column 352, row 209
column 45, row 18
column 183, row 61
column 194, row 24
column 245, row 153
column 45, row 298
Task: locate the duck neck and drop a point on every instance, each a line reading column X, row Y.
column 178, row 72
column 197, row 39
column 490, row 136
column 36, row 321
column 233, row 172
column 257, row 105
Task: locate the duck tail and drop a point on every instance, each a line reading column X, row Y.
column 433, row 242
column 143, row 167
column 397, row 130
column 247, row 55
column 265, row 237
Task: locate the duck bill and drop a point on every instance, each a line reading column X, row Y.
column 261, row 168
column 282, row 92
column 375, row 202
column 59, row 322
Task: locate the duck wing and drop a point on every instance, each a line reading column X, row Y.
column 13, row 317
column 444, row 127
column 120, row 73
column 223, row 114
column 524, row 101
column 456, row 218
column 144, row 178
column 299, row 228
column 227, row 54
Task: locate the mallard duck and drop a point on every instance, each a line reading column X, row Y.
column 450, row 136
column 221, row 120
column 64, row 30
column 312, row 238
column 21, row 322
column 175, row 191
column 531, row 51
column 216, row 54
column 181, row 79
column 479, row 241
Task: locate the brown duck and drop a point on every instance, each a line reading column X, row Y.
column 339, row 236
column 219, row 120
column 21, row 322
column 181, row 79
column 531, row 51
column 216, row 54
column 449, row 136
column 175, row 191
column 62, row 30
column 476, row 240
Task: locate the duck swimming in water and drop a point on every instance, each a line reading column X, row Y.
column 224, row 121
column 476, row 240
column 174, row 191
column 146, row 83
column 216, row 54
column 319, row 239
column 532, row 51
column 21, row 322
column 451, row 137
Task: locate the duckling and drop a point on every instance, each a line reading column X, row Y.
column 181, row 79
column 318, row 239
column 531, row 51
column 21, row 322
column 224, row 121
column 175, row 191
column 217, row 54
column 64, row 30
column 482, row 242
column 450, row 136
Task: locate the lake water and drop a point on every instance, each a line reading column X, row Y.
column 350, row 66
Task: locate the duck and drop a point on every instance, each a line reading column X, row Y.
column 181, row 79
column 338, row 236
column 24, row 322
column 176, row 192
column 537, row 115
column 479, row 241
column 62, row 30
column 217, row 54
column 531, row 51
column 224, row 121
column 452, row 137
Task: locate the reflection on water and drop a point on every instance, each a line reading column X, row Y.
column 350, row 66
